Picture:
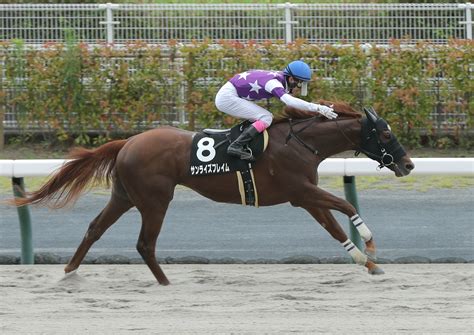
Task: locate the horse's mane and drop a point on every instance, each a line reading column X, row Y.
column 341, row 108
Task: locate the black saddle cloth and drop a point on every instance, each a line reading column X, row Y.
column 209, row 150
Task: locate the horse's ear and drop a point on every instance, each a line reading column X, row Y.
column 372, row 110
column 371, row 115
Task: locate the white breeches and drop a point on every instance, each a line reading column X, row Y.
column 227, row 101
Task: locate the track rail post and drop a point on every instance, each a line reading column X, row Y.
column 27, row 254
column 351, row 196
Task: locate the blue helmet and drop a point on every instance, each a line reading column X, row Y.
column 299, row 70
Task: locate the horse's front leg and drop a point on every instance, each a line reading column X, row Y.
column 328, row 222
column 323, row 199
column 365, row 234
column 318, row 203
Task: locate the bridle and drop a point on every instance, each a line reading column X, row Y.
column 386, row 159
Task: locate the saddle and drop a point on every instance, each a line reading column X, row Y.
column 209, row 157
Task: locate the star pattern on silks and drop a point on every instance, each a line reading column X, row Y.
column 244, row 75
column 274, row 73
column 255, row 87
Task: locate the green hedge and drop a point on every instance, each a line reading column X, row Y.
column 69, row 90
column 405, row 85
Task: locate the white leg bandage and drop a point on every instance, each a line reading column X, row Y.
column 361, row 228
column 355, row 253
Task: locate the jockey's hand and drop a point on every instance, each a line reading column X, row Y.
column 324, row 110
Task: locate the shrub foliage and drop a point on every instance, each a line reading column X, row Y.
column 70, row 90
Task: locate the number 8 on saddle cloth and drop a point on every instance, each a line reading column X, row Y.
column 209, row 150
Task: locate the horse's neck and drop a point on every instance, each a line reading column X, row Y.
column 333, row 137
column 343, row 135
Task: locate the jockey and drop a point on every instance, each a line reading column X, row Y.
column 237, row 95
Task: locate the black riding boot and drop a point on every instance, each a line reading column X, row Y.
column 238, row 149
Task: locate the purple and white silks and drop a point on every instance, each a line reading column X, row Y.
column 236, row 96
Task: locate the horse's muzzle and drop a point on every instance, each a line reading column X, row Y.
column 403, row 167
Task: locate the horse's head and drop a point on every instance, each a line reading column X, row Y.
column 379, row 143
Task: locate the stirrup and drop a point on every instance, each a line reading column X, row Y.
column 244, row 154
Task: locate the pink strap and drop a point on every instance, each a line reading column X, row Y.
column 260, row 125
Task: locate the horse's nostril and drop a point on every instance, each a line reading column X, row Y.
column 410, row 166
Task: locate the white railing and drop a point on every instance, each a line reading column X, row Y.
column 330, row 167
column 158, row 23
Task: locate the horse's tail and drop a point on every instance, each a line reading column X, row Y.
column 69, row 181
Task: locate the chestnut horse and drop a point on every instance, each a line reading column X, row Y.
column 145, row 169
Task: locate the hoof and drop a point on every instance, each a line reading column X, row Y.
column 373, row 268
column 70, row 273
column 71, row 278
column 164, row 282
column 376, row 271
column 68, row 269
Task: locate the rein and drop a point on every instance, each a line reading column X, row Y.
column 293, row 134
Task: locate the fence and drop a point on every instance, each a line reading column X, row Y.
column 346, row 167
column 37, row 24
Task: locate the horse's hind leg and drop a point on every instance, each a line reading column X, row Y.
column 152, row 201
column 151, row 226
column 109, row 215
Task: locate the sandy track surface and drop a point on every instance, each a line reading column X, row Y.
column 238, row 299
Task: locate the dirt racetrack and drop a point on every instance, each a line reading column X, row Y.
column 238, row 299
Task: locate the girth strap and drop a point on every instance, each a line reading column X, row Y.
column 247, row 188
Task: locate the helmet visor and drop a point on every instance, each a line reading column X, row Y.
column 304, row 88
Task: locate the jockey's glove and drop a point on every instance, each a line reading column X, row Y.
column 324, row 110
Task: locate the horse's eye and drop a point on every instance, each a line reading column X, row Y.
column 387, row 134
